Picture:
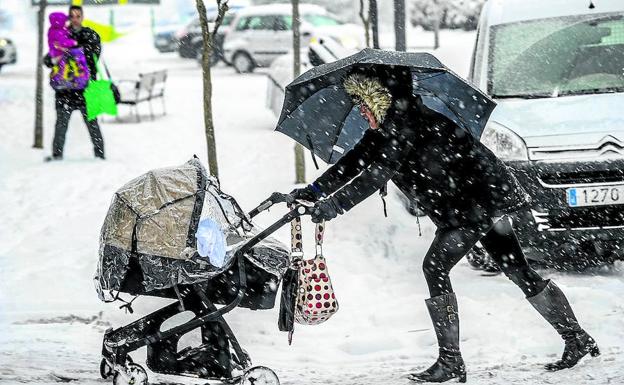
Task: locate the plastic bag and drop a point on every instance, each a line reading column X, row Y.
column 211, row 242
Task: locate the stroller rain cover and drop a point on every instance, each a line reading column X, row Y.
column 154, row 219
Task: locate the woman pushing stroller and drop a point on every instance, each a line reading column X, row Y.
column 466, row 191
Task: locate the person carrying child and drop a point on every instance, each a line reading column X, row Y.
column 83, row 45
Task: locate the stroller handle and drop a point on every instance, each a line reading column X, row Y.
column 276, row 197
column 297, row 211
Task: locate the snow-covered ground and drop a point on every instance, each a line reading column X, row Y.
column 51, row 322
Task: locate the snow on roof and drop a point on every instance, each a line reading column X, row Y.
column 280, row 9
column 509, row 11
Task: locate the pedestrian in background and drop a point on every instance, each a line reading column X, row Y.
column 70, row 100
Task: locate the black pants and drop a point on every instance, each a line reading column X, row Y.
column 64, row 109
column 499, row 240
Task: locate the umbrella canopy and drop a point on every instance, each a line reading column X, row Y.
column 319, row 114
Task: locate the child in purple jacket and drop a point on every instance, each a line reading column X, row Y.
column 59, row 40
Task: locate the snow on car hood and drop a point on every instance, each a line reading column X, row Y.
column 566, row 120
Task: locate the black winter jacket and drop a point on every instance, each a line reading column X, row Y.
column 455, row 178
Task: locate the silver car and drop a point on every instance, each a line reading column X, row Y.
column 259, row 34
column 556, row 70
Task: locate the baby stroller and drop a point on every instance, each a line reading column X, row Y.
column 148, row 247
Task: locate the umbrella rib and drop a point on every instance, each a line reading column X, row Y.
column 338, row 132
column 312, row 151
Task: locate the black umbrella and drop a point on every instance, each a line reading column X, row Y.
column 319, row 114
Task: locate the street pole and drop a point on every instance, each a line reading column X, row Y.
column 399, row 25
column 374, row 20
column 296, row 23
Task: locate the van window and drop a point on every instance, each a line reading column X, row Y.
column 242, row 24
column 262, row 22
column 227, row 19
column 283, row 23
column 557, row 56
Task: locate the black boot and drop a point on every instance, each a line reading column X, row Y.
column 552, row 304
column 449, row 365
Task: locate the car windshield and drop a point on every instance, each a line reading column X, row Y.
column 557, row 56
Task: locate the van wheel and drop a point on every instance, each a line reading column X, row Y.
column 243, row 63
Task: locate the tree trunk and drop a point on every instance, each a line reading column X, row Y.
column 399, row 25
column 38, row 140
column 374, row 21
column 365, row 22
column 207, row 83
column 296, row 23
column 436, row 24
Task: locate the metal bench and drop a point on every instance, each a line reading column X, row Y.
column 150, row 86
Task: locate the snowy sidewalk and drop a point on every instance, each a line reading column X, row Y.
column 50, row 329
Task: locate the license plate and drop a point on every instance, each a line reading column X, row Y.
column 595, row 196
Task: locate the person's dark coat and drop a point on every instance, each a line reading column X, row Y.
column 455, row 178
column 89, row 40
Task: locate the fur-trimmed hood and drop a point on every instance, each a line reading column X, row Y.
column 371, row 92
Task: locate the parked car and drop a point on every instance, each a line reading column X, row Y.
column 556, row 70
column 191, row 40
column 259, row 34
column 165, row 31
column 8, row 52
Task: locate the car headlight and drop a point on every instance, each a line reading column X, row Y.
column 3, row 42
column 503, row 142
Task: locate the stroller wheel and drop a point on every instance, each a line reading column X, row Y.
column 133, row 375
column 259, row 375
column 105, row 369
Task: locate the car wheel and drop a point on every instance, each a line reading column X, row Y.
column 186, row 50
column 242, row 63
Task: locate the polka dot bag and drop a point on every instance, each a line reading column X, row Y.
column 315, row 301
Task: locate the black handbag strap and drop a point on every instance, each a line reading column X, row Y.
column 97, row 61
column 107, row 71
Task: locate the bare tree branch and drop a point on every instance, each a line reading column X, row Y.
column 222, row 8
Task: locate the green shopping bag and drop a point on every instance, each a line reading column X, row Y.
column 99, row 97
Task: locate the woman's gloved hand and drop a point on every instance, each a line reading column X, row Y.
column 326, row 209
column 310, row 193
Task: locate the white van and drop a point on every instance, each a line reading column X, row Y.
column 556, row 70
